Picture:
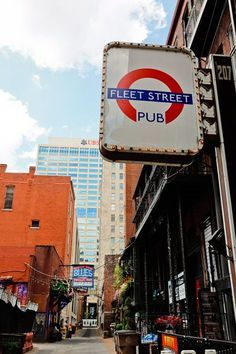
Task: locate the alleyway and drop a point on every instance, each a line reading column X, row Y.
column 86, row 341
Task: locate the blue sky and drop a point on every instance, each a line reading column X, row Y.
column 50, row 65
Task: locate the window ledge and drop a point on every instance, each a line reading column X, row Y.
column 34, row 227
column 5, row 209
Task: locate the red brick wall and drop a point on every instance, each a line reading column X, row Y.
column 109, row 290
column 13, row 262
column 222, row 37
column 176, row 35
column 43, row 198
column 48, row 262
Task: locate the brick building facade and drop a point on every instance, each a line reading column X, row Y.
column 37, row 230
column 182, row 253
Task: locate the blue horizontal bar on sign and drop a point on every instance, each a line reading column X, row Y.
column 149, row 95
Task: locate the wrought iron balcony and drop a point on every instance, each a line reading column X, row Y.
column 152, row 183
column 192, row 21
column 202, row 25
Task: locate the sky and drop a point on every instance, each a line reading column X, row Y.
column 50, row 66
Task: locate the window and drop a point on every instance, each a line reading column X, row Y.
column 92, row 192
column 9, row 197
column 84, row 152
column 112, row 228
column 91, row 233
column 74, row 151
column 90, row 252
column 43, row 149
column 53, row 150
column 82, row 180
column 94, row 152
column 91, row 212
column 113, row 207
column 112, row 196
column 112, row 217
column 82, row 186
column 92, row 181
column 90, row 260
column 81, row 204
column 91, row 227
column 121, row 218
column 35, row 223
column 92, row 204
column 63, row 151
column 81, row 212
column 121, row 229
column 92, row 186
column 121, row 175
column 113, row 175
column 92, row 197
column 121, row 186
column 113, row 186
column 83, row 170
column 72, row 170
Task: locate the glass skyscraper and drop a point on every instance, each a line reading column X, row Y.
column 99, row 196
column 80, row 159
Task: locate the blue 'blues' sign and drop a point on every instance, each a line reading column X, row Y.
column 83, row 276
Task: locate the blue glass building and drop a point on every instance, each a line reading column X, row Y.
column 80, row 159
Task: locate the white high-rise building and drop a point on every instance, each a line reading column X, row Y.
column 99, row 193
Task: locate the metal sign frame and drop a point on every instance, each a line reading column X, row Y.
column 148, row 154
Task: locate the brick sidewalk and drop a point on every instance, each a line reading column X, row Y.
column 110, row 345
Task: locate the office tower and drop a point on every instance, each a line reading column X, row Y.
column 100, row 224
column 78, row 158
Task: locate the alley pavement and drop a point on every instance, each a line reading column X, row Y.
column 84, row 341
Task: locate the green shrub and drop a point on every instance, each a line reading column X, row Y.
column 119, row 326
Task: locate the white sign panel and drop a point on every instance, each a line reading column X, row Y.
column 149, row 103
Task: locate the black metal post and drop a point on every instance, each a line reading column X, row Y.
column 183, row 254
column 172, row 282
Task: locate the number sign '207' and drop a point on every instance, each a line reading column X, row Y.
column 224, row 72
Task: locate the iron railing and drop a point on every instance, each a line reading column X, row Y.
column 199, row 344
column 192, row 21
column 157, row 180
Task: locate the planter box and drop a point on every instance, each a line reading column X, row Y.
column 12, row 343
column 127, row 338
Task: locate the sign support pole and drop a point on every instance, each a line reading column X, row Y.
column 223, row 81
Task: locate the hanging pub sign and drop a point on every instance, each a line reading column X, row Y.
column 150, row 108
column 83, row 276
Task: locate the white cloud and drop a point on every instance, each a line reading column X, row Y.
column 17, row 128
column 36, row 80
column 64, row 34
column 31, row 154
